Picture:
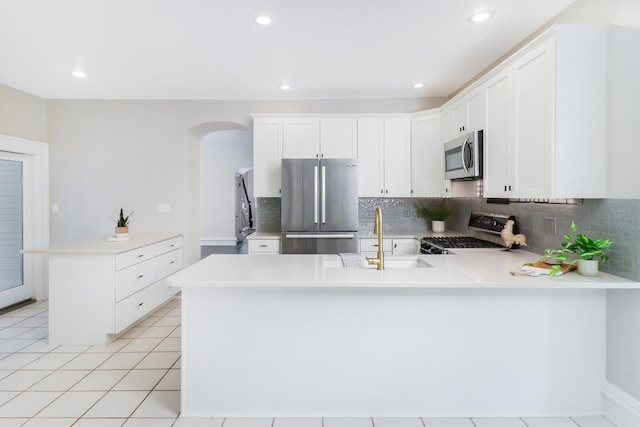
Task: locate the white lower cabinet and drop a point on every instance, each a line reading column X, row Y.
column 405, row 247
column 98, row 290
column 393, row 246
column 264, row 246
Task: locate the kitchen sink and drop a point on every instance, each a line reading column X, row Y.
column 389, row 263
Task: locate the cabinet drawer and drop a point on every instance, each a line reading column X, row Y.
column 168, row 263
column 168, row 245
column 164, row 292
column 129, row 258
column 134, row 256
column 132, row 279
column 264, row 246
column 134, row 307
column 371, row 245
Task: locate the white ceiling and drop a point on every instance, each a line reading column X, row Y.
column 212, row 49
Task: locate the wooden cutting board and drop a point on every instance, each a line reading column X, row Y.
column 565, row 267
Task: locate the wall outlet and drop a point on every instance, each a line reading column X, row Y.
column 550, row 225
column 55, row 208
column 407, row 214
column 164, row 208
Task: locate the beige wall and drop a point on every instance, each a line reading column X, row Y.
column 136, row 154
column 22, row 115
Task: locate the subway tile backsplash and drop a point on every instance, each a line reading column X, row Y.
column 616, row 219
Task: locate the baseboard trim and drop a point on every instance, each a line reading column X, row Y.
column 620, row 407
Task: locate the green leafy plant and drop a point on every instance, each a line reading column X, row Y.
column 123, row 221
column 584, row 247
column 438, row 213
column 578, row 246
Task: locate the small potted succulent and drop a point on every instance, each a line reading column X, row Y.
column 438, row 215
column 584, row 250
column 122, row 224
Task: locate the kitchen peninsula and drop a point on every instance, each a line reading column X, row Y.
column 297, row 335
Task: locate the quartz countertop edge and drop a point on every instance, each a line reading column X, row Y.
column 478, row 269
column 100, row 245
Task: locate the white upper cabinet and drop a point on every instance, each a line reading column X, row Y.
column 497, row 136
column 309, row 137
column 546, row 115
column 339, row 138
column 384, row 157
column 267, row 146
column 397, row 157
column 426, row 155
column 465, row 115
column 300, row 138
column 445, row 124
column 370, row 157
column 476, row 109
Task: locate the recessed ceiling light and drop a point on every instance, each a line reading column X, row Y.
column 285, row 87
column 265, row 19
column 418, row 85
column 79, row 74
column 480, row 16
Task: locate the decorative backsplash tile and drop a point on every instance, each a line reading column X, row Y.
column 616, row 219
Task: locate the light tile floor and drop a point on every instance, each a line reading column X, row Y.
column 135, row 382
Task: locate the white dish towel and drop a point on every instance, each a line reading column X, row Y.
column 353, row 261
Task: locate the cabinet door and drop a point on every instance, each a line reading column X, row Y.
column 405, row 246
column 426, row 156
column 338, row 138
column 300, row 138
column 477, row 109
column 498, row 136
column 459, row 118
column 267, row 146
column 445, row 125
column 532, row 143
column 397, row 157
column 370, row 163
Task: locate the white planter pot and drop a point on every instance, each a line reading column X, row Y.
column 437, row 226
column 588, row 267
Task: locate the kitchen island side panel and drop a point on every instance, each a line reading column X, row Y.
column 391, row 352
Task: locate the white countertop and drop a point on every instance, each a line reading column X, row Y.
column 100, row 245
column 478, row 269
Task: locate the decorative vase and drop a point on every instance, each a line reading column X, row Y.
column 437, row 226
column 588, row 267
column 122, row 231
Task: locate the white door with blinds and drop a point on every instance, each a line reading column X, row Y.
column 13, row 203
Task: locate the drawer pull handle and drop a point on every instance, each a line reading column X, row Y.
column 171, row 246
column 172, row 262
column 140, row 276
column 140, row 256
column 141, row 304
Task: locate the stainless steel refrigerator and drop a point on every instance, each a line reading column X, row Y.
column 319, row 206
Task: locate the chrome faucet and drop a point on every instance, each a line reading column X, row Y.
column 377, row 229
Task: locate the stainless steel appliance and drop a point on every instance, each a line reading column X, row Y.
column 319, row 206
column 463, row 157
column 478, row 221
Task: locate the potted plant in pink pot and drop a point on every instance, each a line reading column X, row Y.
column 122, row 224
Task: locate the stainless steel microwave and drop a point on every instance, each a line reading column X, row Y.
column 463, row 157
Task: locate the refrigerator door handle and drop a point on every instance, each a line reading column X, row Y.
column 320, row 236
column 324, row 195
column 315, row 194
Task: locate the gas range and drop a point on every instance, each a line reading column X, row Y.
column 441, row 245
column 479, row 221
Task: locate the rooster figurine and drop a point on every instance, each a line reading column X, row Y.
column 509, row 238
